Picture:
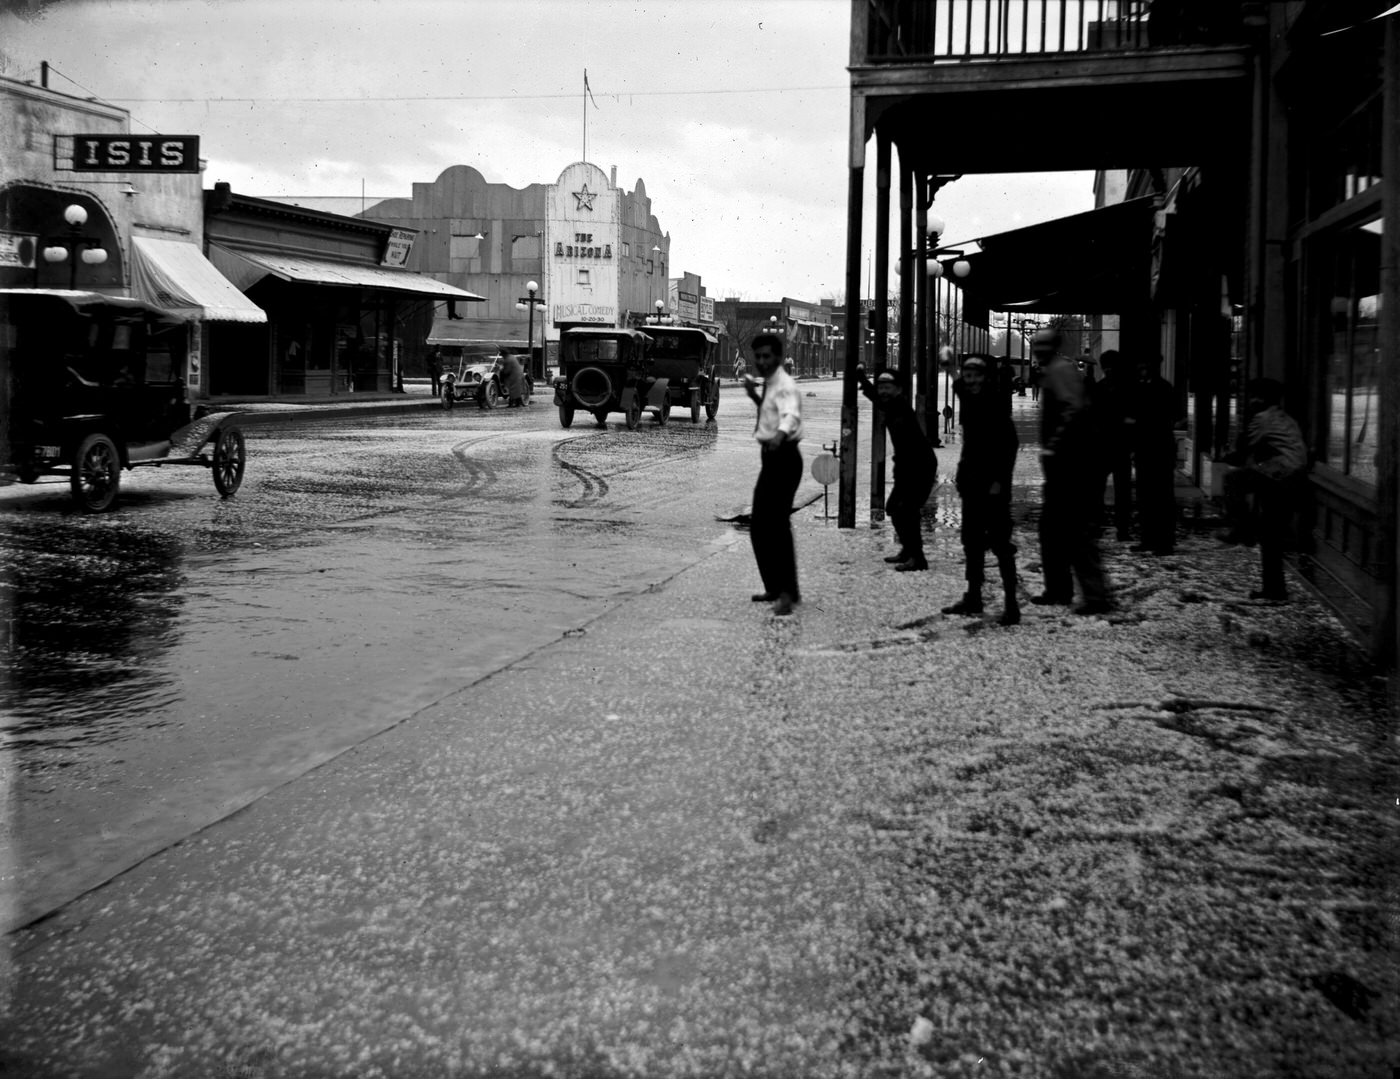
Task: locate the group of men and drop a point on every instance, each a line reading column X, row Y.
column 1119, row 428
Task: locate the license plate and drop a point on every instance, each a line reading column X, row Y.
column 45, row 451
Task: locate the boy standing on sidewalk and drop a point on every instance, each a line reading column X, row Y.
column 915, row 467
column 984, row 485
column 778, row 431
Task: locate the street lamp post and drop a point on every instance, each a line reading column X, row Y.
column 75, row 245
column 527, row 303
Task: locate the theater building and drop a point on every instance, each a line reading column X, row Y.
column 594, row 250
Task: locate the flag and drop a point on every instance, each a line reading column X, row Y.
column 586, row 90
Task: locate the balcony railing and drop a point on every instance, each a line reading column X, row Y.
column 925, row 31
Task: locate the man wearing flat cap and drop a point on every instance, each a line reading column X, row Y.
column 915, row 467
column 989, row 449
column 1069, row 547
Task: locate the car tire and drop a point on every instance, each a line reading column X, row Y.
column 713, row 406
column 529, row 392
column 664, row 412
column 633, row 414
column 490, row 395
column 694, row 406
column 566, row 415
column 97, row 469
column 230, row 456
column 600, row 415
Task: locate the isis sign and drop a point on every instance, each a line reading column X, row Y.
column 135, row 153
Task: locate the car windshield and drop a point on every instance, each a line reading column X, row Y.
column 594, row 349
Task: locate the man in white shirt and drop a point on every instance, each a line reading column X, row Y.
column 778, row 432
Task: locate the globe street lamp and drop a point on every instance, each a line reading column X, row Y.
column 527, row 303
column 660, row 316
column 75, row 245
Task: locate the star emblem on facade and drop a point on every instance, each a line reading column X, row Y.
column 585, row 198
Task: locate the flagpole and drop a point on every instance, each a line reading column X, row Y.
column 585, row 114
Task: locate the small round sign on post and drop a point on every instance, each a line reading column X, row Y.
column 825, row 471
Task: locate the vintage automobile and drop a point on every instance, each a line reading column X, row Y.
column 604, row 370
column 479, row 382
column 90, row 385
column 686, row 356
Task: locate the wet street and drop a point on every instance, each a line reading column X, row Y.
column 177, row 658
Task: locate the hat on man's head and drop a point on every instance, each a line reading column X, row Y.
column 887, row 376
column 1045, row 341
column 974, row 361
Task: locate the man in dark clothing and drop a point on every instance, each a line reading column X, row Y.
column 1110, row 400
column 433, row 361
column 1153, row 412
column 1067, row 532
column 1267, row 484
column 984, row 484
column 915, row 468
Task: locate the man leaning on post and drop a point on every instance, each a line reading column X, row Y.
column 915, row 467
column 778, row 431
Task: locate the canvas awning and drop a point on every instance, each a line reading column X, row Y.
column 1089, row 263
column 246, row 268
column 483, row 331
column 175, row 275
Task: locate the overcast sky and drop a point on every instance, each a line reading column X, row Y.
column 734, row 112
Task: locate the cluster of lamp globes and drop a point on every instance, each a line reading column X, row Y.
column 660, row 316
column 531, row 287
column 76, row 217
column 961, row 268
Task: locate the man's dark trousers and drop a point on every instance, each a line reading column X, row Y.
column 1068, row 547
column 986, row 526
column 905, row 507
column 770, row 526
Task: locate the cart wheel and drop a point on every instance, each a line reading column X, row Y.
column 447, row 398
column 633, row 415
column 601, row 415
column 694, row 406
column 230, row 455
column 96, row 474
column 713, row 406
column 566, row 415
column 664, row 413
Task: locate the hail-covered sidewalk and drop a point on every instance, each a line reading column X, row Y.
column 695, row 839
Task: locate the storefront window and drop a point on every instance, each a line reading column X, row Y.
column 1345, row 304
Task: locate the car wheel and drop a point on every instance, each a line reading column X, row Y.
column 230, row 455
column 601, row 416
column 566, row 415
column 490, row 395
column 633, row 415
column 664, row 413
column 529, row 392
column 694, row 406
column 96, row 474
column 447, row 398
column 713, row 406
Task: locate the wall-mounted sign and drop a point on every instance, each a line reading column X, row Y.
column 135, row 153
column 707, row 308
column 396, row 251
column 17, row 250
column 585, row 312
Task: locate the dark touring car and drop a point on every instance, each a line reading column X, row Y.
column 90, row 387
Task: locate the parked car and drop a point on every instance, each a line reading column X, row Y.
column 482, row 383
column 686, row 356
column 91, row 387
column 605, row 370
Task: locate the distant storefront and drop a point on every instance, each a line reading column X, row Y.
column 336, row 298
